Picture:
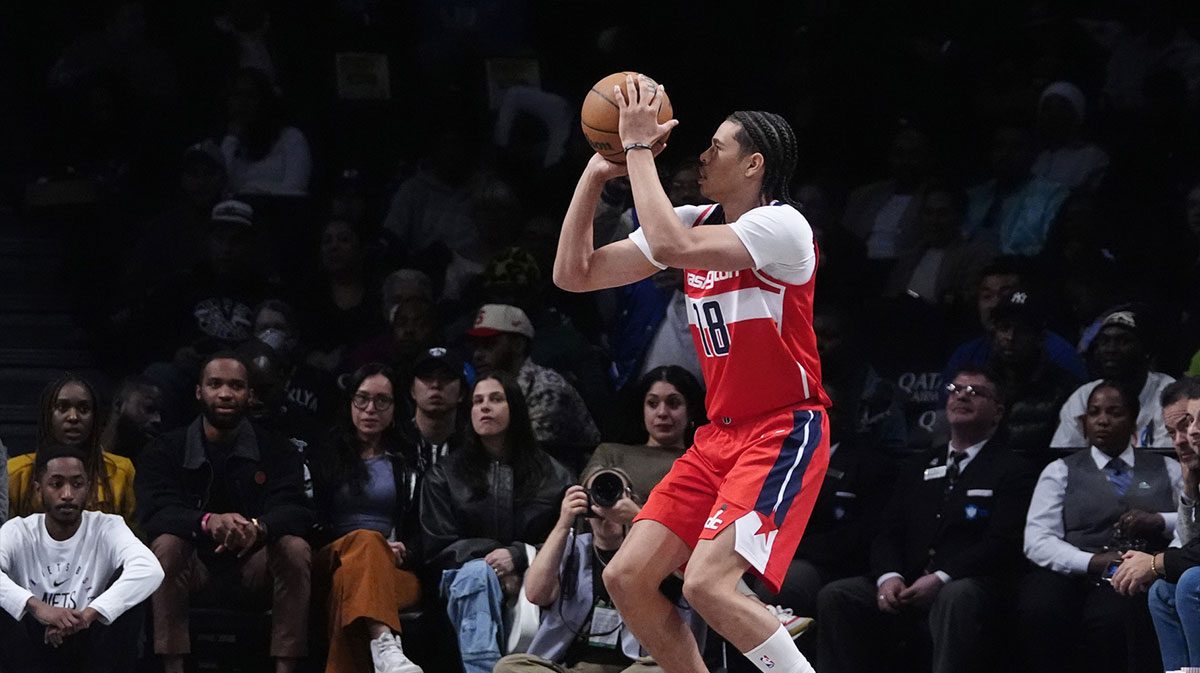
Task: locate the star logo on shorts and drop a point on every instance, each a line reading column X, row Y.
column 768, row 524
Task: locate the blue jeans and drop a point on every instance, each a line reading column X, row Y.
column 473, row 601
column 1176, row 612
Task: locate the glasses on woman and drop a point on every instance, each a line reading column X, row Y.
column 969, row 391
column 382, row 402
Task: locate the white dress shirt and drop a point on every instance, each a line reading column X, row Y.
column 1044, row 530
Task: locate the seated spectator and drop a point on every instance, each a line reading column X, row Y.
column 1034, row 386
column 582, row 630
column 937, row 269
column 514, row 278
column 174, row 238
column 1011, row 213
column 68, row 417
column 883, row 215
column 1087, row 510
column 267, row 408
column 343, row 304
column 432, row 214
column 998, row 281
column 308, row 392
column 1170, row 575
column 1178, row 416
column 403, row 284
column 263, row 154
column 672, row 406
column 496, row 213
column 89, row 571
column 948, row 537
column 414, row 326
column 479, row 510
column 1066, row 158
column 1121, row 352
column 561, row 422
column 363, row 502
column 134, row 419
column 438, row 390
column 222, row 500
column 202, row 310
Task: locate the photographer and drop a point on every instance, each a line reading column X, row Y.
column 672, row 405
column 581, row 630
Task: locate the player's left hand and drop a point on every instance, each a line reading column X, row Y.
column 1134, row 575
column 922, row 592
column 639, row 114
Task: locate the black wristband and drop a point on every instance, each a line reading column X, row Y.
column 638, row 146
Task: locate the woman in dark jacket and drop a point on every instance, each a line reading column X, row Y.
column 363, row 492
column 481, row 507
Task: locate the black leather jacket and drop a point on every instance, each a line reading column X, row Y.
column 457, row 527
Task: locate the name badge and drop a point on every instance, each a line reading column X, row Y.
column 938, row 472
column 606, row 626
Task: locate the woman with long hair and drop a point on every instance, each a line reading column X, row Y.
column 480, row 509
column 69, row 417
column 671, row 403
column 363, row 496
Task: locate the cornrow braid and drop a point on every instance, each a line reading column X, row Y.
column 770, row 135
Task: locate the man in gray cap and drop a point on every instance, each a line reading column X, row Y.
column 503, row 342
column 1120, row 352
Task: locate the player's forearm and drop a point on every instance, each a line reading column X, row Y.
column 575, row 244
column 664, row 232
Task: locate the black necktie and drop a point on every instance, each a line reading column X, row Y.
column 952, row 469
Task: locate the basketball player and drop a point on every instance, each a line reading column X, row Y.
column 741, row 496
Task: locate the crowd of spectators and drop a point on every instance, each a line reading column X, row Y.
column 313, row 246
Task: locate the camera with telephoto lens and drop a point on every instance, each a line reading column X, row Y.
column 607, row 488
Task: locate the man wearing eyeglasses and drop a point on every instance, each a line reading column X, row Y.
column 223, row 499
column 949, row 537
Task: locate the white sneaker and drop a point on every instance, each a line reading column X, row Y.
column 794, row 625
column 389, row 657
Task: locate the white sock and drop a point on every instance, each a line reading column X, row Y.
column 778, row 654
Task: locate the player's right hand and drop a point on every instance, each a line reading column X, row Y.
column 574, row 504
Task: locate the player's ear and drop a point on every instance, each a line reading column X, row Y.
column 754, row 164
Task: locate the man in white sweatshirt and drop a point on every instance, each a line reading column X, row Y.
column 61, row 607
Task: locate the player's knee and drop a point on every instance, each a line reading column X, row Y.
column 704, row 590
column 620, row 578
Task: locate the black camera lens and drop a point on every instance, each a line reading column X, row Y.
column 607, row 488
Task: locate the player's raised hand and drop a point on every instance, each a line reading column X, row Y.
column 639, row 112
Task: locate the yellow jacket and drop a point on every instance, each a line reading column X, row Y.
column 120, row 476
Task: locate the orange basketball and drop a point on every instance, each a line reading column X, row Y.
column 600, row 116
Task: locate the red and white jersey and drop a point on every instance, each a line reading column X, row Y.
column 753, row 328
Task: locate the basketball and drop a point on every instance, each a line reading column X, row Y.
column 600, row 116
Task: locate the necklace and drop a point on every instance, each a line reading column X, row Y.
column 596, row 553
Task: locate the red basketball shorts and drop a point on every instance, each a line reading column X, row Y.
column 762, row 477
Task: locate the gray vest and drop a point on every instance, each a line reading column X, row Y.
column 1091, row 505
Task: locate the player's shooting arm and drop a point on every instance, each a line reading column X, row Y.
column 578, row 265
column 673, row 244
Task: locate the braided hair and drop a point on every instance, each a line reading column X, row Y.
column 770, row 135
